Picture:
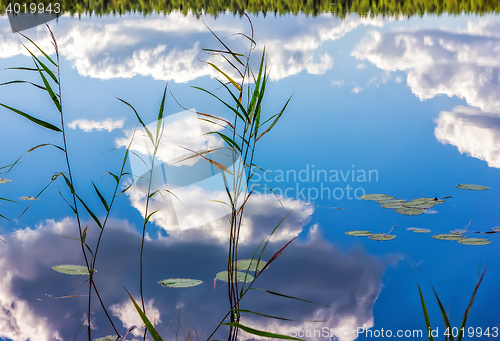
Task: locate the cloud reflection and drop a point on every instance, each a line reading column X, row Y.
column 29, row 288
column 465, row 63
column 473, row 132
column 167, row 48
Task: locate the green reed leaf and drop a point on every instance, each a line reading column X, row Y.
column 140, row 120
column 104, row 203
column 94, row 217
column 49, row 90
column 152, row 330
column 275, row 120
column 39, row 49
column 33, row 119
column 426, row 313
column 260, row 332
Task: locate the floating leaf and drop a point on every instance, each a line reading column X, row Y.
column 390, row 204
column 4, row 181
column 180, row 282
column 409, row 211
column 359, row 233
column 451, row 236
column 388, row 201
column 239, row 276
column 108, row 338
column 472, row 187
column 381, row 236
column 474, row 241
column 376, row 197
column 71, row 269
column 245, row 264
column 28, row 198
column 419, row 230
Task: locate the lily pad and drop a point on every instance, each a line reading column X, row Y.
column 451, row 236
column 28, row 198
column 387, row 201
column 108, row 338
column 419, row 230
column 71, row 269
column 381, row 236
column 4, row 181
column 474, row 241
column 376, row 197
column 240, row 276
column 179, row 282
column 471, row 187
column 409, row 211
column 390, row 204
column 359, row 233
column 245, row 264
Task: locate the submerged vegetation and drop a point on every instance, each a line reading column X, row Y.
column 339, row 8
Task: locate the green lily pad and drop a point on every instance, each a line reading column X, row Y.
column 179, row 282
column 474, row 241
column 4, row 181
column 381, row 236
column 387, row 201
column 419, row 230
column 390, row 204
column 108, row 338
column 240, row 276
column 376, row 197
column 245, row 264
column 472, row 187
column 451, row 236
column 72, row 269
column 359, row 233
column 409, row 211
column 28, row 198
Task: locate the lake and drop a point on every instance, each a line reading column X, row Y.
column 400, row 99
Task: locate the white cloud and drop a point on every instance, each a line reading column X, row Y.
column 338, row 83
column 361, row 66
column 129, row 317
column 464, row 64
column 356, row 90
column 472, row 131
column 88, row 125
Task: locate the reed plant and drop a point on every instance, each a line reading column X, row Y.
column 243, row 98
column 451, row 332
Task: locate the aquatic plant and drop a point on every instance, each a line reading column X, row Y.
column 451, row 332
column 249, row 126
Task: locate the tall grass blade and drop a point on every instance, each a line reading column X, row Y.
column 39, row 49
column 104, row 203
column 139, row 118
column 466, row 314
column 152, row 330
column 260, row 332
column 275, row 120
column 426, row 313
column 33, row 119
column 443, row 314
column 49, row 89
column 288, row 296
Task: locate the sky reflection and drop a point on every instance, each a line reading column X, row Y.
column 415, row 100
